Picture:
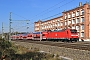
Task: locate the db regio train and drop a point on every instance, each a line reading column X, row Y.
column 59, row 35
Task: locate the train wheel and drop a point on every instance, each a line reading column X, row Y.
column 63, row 40
column 76, row 40
column 66, row 40
column 57, row 40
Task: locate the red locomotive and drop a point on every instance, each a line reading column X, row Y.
column 62, row 35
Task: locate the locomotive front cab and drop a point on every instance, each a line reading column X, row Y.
column 74, row 35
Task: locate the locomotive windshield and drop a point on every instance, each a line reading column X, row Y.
column 73, row 31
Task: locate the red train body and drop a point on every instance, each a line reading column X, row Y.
column 29, row 36
column 68, row 35
column 62, row 35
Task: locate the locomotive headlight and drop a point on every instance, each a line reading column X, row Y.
column 74, row 35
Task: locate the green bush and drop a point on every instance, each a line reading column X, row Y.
column 10, row 52
column 5, row 49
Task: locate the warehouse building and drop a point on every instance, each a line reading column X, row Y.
column 77, row 18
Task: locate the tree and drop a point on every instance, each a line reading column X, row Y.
column 6, row 49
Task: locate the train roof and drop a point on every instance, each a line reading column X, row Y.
column 23, row 34
column 63, row 30
column 36, row 33
column 56, row 30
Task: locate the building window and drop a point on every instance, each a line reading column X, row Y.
column 69, row 27
column 53, row 21
column 45, row 26
column 77, row 13
column 73, row 21
column 36, row 24
column 65, row 16
column 82, row 27
column 73, row 14
column 45, row 23
column 77, row 28
column 82, row 34
column 78, row 20
column 42, row 27
column 58, row 24
column 65, row 23
column 58, row 28
column 68, row 15
column 58, row 20
column 69, row 22
column 55, row 24
column 61, row 19
column 82, row 19
column 73, row 27
column 82, row 12
column 61, row 24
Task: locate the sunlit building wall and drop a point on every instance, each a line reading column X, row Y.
column 77, row 18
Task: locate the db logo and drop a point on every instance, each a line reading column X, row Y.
column 55, row 34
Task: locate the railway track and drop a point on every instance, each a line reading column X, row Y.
column 75, row 45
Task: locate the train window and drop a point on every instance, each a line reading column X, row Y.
column 73, row 31
column 43, row 35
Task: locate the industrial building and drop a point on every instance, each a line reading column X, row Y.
column 77, row 18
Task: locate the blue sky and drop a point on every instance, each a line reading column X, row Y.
column 32, row 10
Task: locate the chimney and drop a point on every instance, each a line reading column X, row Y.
column 80, row 4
